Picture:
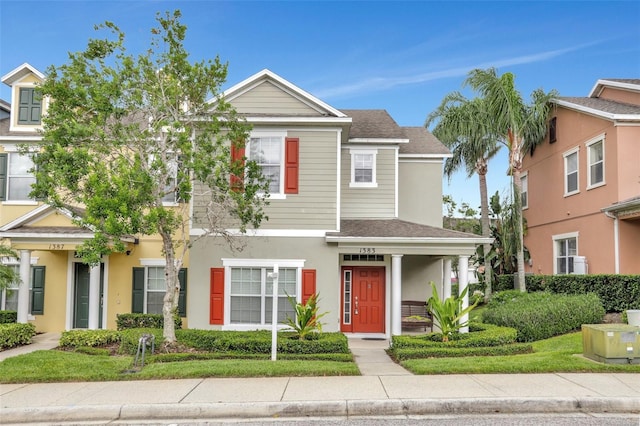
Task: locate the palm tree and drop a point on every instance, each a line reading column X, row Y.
column 463, row 126
column 520, row 126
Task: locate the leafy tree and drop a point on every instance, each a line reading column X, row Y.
column 124, row 134
column 8, row 274
column 519, row 125
column 463, row 126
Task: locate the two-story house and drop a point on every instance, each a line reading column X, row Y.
column 57, row 291
column 355, row 215
column 581, row 187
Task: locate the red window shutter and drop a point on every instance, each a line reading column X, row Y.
column 291, row 154
column 308, row 284
column 216, row 304
column 237, row 160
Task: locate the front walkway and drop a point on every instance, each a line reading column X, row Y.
column 372, row 359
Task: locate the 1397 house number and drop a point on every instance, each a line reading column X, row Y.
column 56, row 246
column 367, row 250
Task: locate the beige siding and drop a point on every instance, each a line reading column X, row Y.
column 315, row 205
column 370, row 202
column 269, row 99
column 419, row 194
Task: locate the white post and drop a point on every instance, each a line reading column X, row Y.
column 94, row 297
column 23, row 287
column 463, row 280
column 446, row 279
column 274, row 314
column 396, row 294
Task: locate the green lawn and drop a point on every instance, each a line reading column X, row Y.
column 554, row 355
column 60, row 366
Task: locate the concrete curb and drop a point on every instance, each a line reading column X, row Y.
column 390, row 407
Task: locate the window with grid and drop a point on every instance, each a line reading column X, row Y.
column 595, row 159
column 266, row 152
column 571, row 173
column 19, row 177
column 566, row 249
column 10, row 294
column 156, row 289
column 251, row 294
column 363, row 168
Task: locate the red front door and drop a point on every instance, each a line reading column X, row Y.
column 366, row 293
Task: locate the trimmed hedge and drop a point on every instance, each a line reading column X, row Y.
column 617, row 292
column 130, row 338
column 128, row 321
column 88, row 338
column 259, row 342
column 541, row 315
column 438, row 352
column 480, row 335
column 8, row 317
column 12, row 335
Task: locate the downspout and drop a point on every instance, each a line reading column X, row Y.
column 616, row 242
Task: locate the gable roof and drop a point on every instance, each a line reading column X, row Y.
column 603, row 108
column 632, row 84
column 293, row 90
column 20, row 72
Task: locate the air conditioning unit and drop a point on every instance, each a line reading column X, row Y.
column 580, row 266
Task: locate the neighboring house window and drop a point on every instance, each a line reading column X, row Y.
column 15, row 177
column 571, row 172
column 524, row 193
column 552, row 130
column 566, row 248
column 36, row 292
column 267, row 153
column 595, row 161
column 241, row 293
column 251, row 295
column 363, row 168
column 29, row 106
column 149, row 288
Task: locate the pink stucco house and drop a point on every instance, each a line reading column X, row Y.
column 581, row 186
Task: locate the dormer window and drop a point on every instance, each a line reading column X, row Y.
column 29, row 106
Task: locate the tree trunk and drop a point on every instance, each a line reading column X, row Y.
column 486, row 232
column 172, row 284
column 516, row 169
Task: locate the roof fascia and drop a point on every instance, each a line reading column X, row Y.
column 378, row 140
column 597, row 112
column 19, row 73
column 298, row 120
column 290, row 88
column 602, row 83
column 408, row 240
column 417, row 156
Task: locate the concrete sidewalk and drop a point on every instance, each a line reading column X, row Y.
column 384, row 389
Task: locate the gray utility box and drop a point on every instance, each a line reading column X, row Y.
column 611, row 343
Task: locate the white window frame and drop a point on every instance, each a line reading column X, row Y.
column 524, row 193
column 588, row 145
column 229, row 264
column 15, row 126
column 14, row 286
column 12, row 152
column 150, row 263
column 565, row 157
column 562, row 237
column 374, row 156
column 281, row 134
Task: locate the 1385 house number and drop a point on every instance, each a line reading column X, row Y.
column 367, row 250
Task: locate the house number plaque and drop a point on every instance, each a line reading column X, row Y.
column 367, row 250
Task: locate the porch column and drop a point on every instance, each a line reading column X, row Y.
column 94, row 297
column 463, row 281
column 23, row 288
column 396, row 294
column 446, row 279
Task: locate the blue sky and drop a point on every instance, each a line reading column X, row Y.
column 400, row 56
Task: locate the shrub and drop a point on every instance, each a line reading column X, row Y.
column 87, row 350
column 259, row 342
column 449, row 312
column 440, row 352
column 480, row 335
column 307, row 317
column 542, row 315
column 8, row 317
column 130, row 338
column 88, row 338
column 127, row 321
column 12, row 335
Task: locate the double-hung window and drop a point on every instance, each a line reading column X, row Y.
column 363, row 168
column 10, row 294
column 16, row 176
column 267, row 152
column 571, row 172
column 149, row 287
column 251, row 294
column 524, row 192
column 566, row 248
column 595, row 162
